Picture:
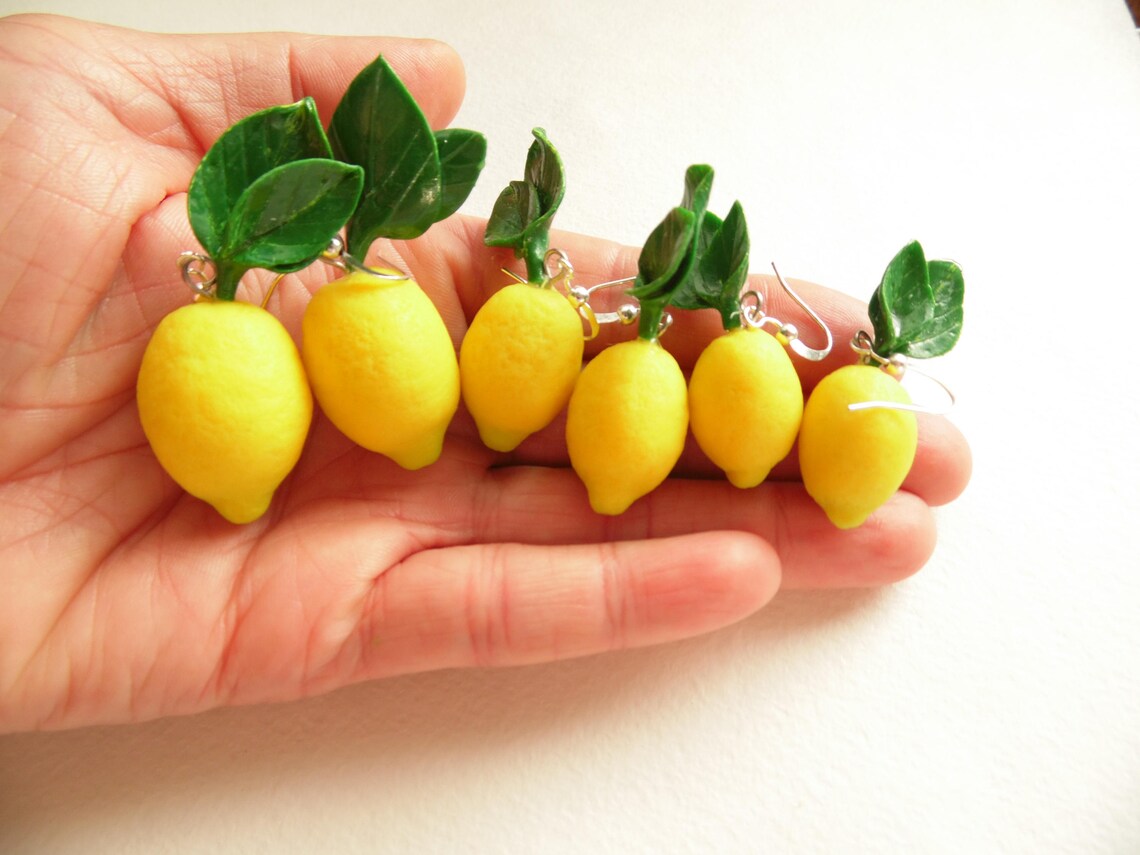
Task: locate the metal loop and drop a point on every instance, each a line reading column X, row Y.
column 192, row 266
column 564, row 271
column 752, row 313
column 579, row 298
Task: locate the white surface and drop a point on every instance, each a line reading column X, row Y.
column 989, row 704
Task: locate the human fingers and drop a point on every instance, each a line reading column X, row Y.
column 208, row 82
column 514, row 604
column 542, row 505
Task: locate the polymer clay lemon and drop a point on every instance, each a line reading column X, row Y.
column 382, row 365
column 745, row 404
column 519, row 361
column 224, row 403
column 626, row 424
column 852, row 461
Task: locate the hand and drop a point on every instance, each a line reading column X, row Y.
column 122, row 598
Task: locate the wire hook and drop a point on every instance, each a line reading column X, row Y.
column 897, row 366
column 794, row 341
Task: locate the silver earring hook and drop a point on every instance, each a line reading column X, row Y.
column 897, row 367
column 794, row 342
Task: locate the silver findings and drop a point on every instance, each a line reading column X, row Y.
column 560, row 272
column 626, row 314
column 897, row 367
column 193, row 267
column 337, row 256
column 752, row 313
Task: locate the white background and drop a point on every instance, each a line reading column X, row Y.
column 990, row 703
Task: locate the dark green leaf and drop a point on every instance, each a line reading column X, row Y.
column 722, row 269
column 698, row 187
column 462, row 154
column 544, row 171
column 288, row 216
column 516, row 207
column 710, row 226
column 252, row 147
column 939, row 334
column 665, row 250
column 378, row 126
column 903, row 302
column 524, row 210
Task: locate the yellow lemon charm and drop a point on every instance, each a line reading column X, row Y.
column 224, row 403
column 519, row 361
column 854, row 461
column 626, row 424
column 745, row 404
column 382, row 365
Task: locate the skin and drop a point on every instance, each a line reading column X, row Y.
column 123, row 599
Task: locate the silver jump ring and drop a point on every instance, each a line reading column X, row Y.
column 192, row 266
column 563, row 271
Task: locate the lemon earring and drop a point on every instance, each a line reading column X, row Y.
column 860, row 432
column 223, row 395
column 745, row 397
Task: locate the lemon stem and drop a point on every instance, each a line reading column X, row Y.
column 649, row 321
column 228, row 276
column 534, row 251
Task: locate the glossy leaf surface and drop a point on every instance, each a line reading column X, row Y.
column 941, row 332
column 722, row 268
column 287, row 217
column 378, row 126
column 662, row 256
column 245, row 152
column 917, row 308
column 462, row 154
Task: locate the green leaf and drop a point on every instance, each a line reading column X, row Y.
column 517, row 206
column 917, row 308
column 544, row 171
column 662, row 257
column 378, row 126
column 722, row 269
column 246, row 151
column 903, row 302
column 462, row 154
column 522, row 214
column 663, row 254
column 939, row 334
column 698, row 187
column 286, row 218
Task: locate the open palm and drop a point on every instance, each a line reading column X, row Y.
column 121, row 598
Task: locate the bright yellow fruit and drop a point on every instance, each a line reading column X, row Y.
column 382, row 366
column 745, row 404
column 626, row 424
column 519, row 361
column 852, row 462
column 223, row 400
